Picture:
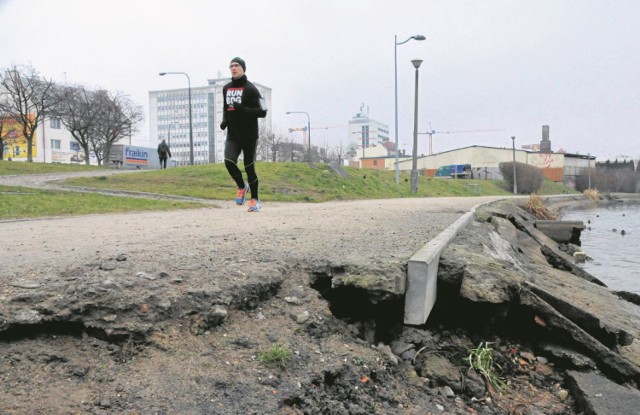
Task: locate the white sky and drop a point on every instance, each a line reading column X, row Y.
column 512, row 65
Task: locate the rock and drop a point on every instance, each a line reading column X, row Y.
column 388, row 354
column 580, row 257
column 543, row 369
column 109, row 285
column 244, row 341
column 447, row 392
column 302, row 317
column 568, row 358
column 563, row 394
column 108, row 266
column 439, row 369
column 595, row 394
column 22, row 283
column 399, row 347
column 298, row 292
column 293, row 300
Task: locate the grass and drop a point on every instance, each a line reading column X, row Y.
column 22, row 203
column 480, row 359
column 296, row 182
column 19, row 167
column 286, row 182
column 592, row 194
column 536, row 207
column 278, row 356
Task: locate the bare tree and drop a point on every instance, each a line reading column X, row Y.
column 26, row 97
column 4, row 133
column 78, row 112
column 292, row 151
column 271, row 146
column 118, row 118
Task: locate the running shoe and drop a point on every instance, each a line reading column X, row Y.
column 254, row 205
column 242, row 195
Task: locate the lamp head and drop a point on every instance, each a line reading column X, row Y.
column 419, row 37
column 162, row 73
column 416, row 63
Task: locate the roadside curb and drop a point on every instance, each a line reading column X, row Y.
column 422, row 272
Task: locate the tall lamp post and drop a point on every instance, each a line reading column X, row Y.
column 515, row 178
column 364, row 141
column 169, row 134
column 414, row 166
column 589, row 168
column 308, row 128
column 190, row 118
column 395, row 63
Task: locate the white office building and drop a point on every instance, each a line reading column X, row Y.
column 169, row 120
column 367, row 132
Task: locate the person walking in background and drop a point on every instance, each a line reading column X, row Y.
column 242, row 107
column 163, row 153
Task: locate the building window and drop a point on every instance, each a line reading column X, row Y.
column 55, row 144
column 74, row 146
column 54, row 122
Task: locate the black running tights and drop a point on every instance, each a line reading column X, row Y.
column 232, row 151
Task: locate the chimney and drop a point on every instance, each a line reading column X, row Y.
column 545, row 144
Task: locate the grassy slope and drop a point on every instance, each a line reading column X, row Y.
column 296, row 182
column 278, row 182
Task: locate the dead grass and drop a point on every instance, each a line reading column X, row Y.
column 536, row 207
column 592, row 194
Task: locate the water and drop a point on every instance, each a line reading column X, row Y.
column 616, row 259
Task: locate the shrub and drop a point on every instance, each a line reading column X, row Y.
column 529, row 178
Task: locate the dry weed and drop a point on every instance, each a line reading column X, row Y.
column 536, row 207
column 592, row 194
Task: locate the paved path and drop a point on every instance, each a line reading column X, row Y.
column 387, row 230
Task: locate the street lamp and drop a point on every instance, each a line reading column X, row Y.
column 169, row 134
column 308, row 128
column 515, row 179
column 190, row 119
column 589, row 168
column 414, row 166
column 395, row 63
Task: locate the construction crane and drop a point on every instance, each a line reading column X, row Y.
column 431, row 132
column 316, row 128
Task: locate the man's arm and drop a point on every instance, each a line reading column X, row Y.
column 253, row 103
column 223, row 124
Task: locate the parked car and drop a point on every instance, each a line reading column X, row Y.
column 455, row 171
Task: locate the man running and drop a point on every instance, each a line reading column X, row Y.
column 241, row 110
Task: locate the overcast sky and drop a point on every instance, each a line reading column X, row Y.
column 488, row 65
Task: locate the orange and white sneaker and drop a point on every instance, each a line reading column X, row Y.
column 254, row 205
column 242, row 195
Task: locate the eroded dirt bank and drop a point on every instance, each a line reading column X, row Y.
column 170, row 313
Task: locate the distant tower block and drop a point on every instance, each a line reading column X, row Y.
column 545, row 144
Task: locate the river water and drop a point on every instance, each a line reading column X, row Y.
column 612, row 240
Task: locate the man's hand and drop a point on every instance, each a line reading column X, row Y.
column 223, row 125
column 238, row 107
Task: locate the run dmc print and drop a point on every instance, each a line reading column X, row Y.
column 234, row 96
